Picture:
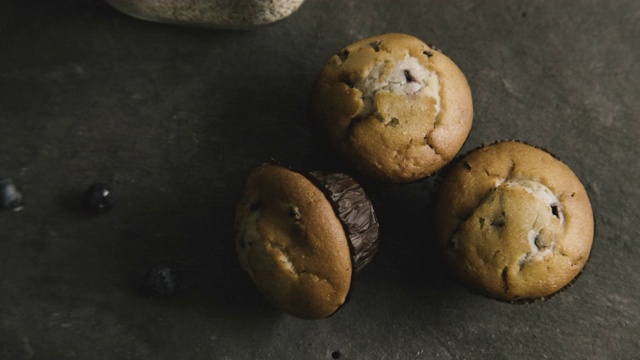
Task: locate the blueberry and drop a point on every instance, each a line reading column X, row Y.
column 98, row 199
column 161, row 281
column 10, row 196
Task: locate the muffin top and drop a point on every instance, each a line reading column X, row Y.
column 513, row 222
column 393, row 107
column 292, row 244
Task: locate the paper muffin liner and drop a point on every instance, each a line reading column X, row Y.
column 355, row 211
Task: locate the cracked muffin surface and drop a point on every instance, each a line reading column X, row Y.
column 513, row 222
column 393, row 107
column 291, row 243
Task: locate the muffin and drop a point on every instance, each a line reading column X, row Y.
column 513, row 222
column 301, row 237
column 393, row 107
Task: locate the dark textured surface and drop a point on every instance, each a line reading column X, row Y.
column 175, row 118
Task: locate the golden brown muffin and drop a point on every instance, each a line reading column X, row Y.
column 293, row 243
column 513, row 222
column 393, row 107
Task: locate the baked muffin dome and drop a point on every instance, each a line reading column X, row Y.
column 513, row 222
column 393, row 107
column 300, row 237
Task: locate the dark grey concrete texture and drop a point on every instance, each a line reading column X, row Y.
column 174, row 118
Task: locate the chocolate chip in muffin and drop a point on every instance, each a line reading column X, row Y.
column 408, row 77
column 343, row 55
column 347, row 81
column 375, row 45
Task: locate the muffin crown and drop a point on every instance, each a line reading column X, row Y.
column 392, row 107
column 513, row 222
